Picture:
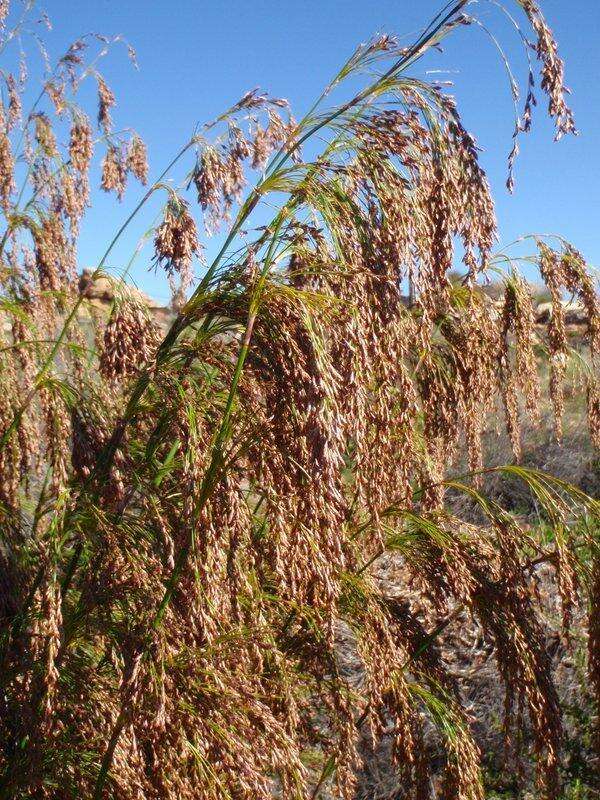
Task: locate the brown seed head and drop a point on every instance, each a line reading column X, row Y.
column 4, row 9
column 137, row 159
column 106, row 100
column 130, row 340
column 81, row 146
column 552, row 70
column 238, row 144
column 208, row 179
column 53, row 256
column 44, row 135
column 114, row 171
column 56, row 93
column 7, row 166
column 176, row 240
column 14, row 102
column 593, row 409
column 262, row 146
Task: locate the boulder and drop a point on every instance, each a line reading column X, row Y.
column 102, row 290
column 575, row 313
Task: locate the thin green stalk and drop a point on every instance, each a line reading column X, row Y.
column 180, row 324
column 208, row 483
column 244, row 212
column 430, row 33
column 49, row 361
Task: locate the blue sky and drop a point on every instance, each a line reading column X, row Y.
column 197, row 57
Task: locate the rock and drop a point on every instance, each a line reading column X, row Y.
column 101, row 292
column 96, row 289
column 574, row 313
column 103, row 289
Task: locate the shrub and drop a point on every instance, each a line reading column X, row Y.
column 187, row 521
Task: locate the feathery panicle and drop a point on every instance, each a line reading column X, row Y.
column 14, row 102
column 137, row 159
column 261, row 147
column 114, row 171
column 191, row 526
column 130, row 339
column 7, row 166
column 552, row 70
column 53, row 254
column 81, row 145
column 106, row 100
column 4, row 9
column 594, row 645
column 208, row 180
column 593, row 408
column 550, row 269
column 176, row 241
column 44, row 136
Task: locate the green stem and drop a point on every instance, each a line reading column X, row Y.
column 73, row 313
column 212, row 476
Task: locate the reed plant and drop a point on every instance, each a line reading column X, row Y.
column 188, row 518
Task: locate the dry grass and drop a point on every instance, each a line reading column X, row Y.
column 188, row 523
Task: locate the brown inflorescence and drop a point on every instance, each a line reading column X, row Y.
column 114, row 171
column 81, row 146
column 106, row 100
column 14, row 102
column 552, row 70
column 44, row 135
column 191, row 526
column 137, row 159
column 7, row 166
column 176, row 241
column 130, row 340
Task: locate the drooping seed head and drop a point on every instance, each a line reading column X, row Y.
column 137, row 159
column 106, row 100
column 114, row 171
column 81, row 146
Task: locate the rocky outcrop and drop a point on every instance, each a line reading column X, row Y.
column 102, row 291
column 575, row 314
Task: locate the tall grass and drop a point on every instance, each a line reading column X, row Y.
column 187, row 520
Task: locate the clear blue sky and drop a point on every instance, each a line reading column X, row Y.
column 196, row 57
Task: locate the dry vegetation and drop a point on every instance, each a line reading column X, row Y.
column 238, row 558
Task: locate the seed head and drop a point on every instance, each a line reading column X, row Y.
column 114, row 171
column 44, row 135
column 106, row 100
column 130, row 340
column 14, row 102
column 234, row 180
column 81, row 146
column 593, row 409
column 578, row 280
column 176, row 240
column 56, row 93
column 7, row 166
column 552, row 70
column 52, row 253
column 208, row 179
column 238, row 144
column 137, row 160
column 74, row 196
column 262, row 146
column 4, row 9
